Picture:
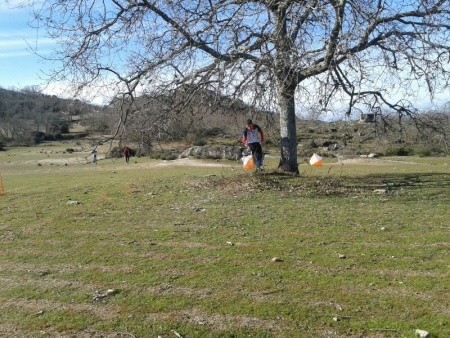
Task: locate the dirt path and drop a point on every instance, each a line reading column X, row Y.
column 46, row 161
column 73, row 164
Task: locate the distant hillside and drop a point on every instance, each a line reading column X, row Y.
column 28, row 116
column 188, row 114
column 28, row 101
column 199, row 117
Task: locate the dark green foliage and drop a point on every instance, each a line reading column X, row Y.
column 164, row 155
column 116, row 152
column 62, row 126
column 402, row 151
column 199, row 142
column 213, row 131
column 73, row 136
column 429, row 151
column 52, row 137
column 133, row 152
column 38, row 136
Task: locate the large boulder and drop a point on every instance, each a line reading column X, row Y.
column 217, row 152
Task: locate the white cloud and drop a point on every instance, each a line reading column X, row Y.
column 11, row 44
column 14, row 43
column 23, row 47
column 14, row 54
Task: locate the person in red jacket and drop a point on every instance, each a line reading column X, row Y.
column 251, row 140
column 126, row 154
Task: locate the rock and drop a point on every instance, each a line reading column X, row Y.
column 214, row 152
column 276, row 259
column 110, row 292
column 380, row 191
column 70, row 202
column 199, row 209
column 422, row 333
column 342, row 256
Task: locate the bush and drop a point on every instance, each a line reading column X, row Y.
column 116, row 152
column 38, row 136
column 428, row 151
column 168, row 156
column 213, row 131
column 402, row 151
column 50, row 137
column 64, row 128
column 199, row 142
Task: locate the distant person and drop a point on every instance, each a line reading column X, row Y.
column 126, row 154
column 94, row 155
column 251, row 140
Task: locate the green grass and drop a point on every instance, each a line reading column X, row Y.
column 189, row 249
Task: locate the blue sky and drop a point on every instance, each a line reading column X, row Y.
column 19, row 67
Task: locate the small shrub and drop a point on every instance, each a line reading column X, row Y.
column 402, row 151
column 199, row 142
column 70, row 150
column 213, row 131
column 50, row 137
column 168, row 156
column 133, row 152
column 64, row 128
column 115, row 152
column 428, row 151
column 38, row 137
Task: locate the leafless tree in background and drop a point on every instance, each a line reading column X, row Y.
column 274, row 54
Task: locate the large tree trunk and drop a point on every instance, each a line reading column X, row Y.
column 288, row 131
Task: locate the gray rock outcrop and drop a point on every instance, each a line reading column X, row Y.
column 217, row 152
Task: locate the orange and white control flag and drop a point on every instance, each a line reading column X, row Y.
column 316, row 160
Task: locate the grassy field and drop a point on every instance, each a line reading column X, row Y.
column 192, row 248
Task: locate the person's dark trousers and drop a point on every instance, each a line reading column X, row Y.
column 257, row 152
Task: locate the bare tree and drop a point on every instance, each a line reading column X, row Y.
column 271, row 53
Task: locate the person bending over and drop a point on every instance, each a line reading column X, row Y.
column 251, row 140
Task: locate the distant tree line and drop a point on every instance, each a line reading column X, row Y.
column 28, row 116
column 182, row 114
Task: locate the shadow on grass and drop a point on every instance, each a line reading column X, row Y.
column 430, row 184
